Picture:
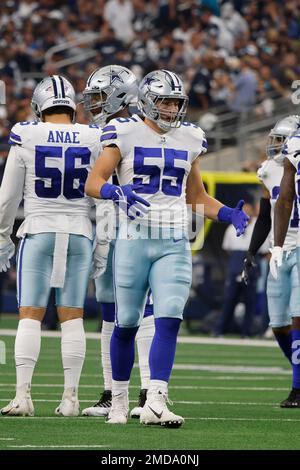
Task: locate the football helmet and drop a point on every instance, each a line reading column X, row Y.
column 156, row 87
column 109, row 90
column 53, row 91
column 283, row 128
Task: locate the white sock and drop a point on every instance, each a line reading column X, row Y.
column 106, row 332
column 144, row 339
column 27, row 349
column 120, row 387
column 156, row 385
column 73, row 345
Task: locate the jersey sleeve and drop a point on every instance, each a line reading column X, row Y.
column 16, row 135
column 198, row 138
column 11, row 191
column 291, row 150
column 261, row 172
column 110, row 135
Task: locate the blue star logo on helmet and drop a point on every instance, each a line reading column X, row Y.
column 115, row 76
column 149, row 80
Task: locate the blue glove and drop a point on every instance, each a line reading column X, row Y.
column 126, row 199
column 236, row 217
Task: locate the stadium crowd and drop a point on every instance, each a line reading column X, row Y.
column 229, row 54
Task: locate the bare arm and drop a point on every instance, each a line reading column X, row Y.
column 284, row 204
column 102, row 170
column 197, row 196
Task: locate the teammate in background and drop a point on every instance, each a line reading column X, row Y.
column 156, row 159
column 107, row 95
column 47, row 165
column 283, row 291
column 286, row 214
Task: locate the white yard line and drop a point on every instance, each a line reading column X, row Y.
column 175, row 387
column 180, row 402
column 79, row 446
column 181, row 339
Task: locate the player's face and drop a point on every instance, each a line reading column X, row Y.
column 97, row 98
column 167, row 108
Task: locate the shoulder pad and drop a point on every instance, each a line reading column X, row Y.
column 18, row 134
column 292, row 145
column 198, row 135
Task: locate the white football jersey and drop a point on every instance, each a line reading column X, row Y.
column 47, row 166
column 291, row 150
column 158, row 163
column 270, row 174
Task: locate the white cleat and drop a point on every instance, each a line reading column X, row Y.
column 69, row 405
column 136, row 411
column 119, row 409
column 101, row 408
column 19, row 407
column 156, row 411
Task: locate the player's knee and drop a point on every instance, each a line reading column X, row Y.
column 172, row 307
column 128, row 319
column 33, row 313
column 69, row 313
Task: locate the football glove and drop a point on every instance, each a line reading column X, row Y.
column 100, row 256
column 276, row 260
column 7, row 251
column 235, row 216
column 125, row 197
column 249, row 264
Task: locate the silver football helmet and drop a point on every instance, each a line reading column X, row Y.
column 109, row 90
column 53, row 91
column 156, row 87
column 283, row 128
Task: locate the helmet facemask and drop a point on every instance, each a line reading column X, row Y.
column 165, row 119
column 274, row 147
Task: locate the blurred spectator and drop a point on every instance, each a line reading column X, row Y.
column 235, row 289
column 245, row 88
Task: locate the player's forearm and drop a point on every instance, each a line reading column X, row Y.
column 207, row 206
column 262, row 226
column 282, row 214
column 93, row 185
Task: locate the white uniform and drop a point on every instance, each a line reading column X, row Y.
column 282, row 293
column 48, row 165
column 270, row 174
column 160, row 164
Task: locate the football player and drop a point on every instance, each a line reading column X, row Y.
column 283, row 292
column 156, row 159
column 285, row 213
column 47, row 165
column 108, row 93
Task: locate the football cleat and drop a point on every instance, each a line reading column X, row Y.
column 292, row 401
column 156, row 411
column 69, row 405
column 19, row 407
column 119, row 409
column 101, row 408
column 136, row 412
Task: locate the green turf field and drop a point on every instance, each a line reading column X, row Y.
column 228, row 394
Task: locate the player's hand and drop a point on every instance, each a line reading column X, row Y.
column 7, row 250
column 276, row 260
column 125, row 197
column 100, row 256
column 239, row 218
column 249, row 264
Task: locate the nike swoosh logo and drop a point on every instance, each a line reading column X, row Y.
column 158, row 415
column 178, row 240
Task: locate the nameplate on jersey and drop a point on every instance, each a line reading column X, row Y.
column 63, row 137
